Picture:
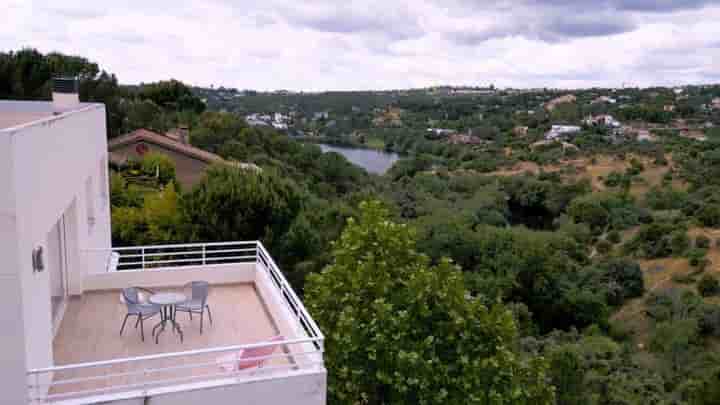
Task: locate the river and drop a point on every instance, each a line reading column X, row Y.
column 374, row 161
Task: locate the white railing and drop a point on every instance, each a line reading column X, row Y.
column 177, row 255
column 139, row 376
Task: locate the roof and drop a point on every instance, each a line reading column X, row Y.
column 144, row 135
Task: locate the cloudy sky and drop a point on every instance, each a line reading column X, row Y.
column 384, row 44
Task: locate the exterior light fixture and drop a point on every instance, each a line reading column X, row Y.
column 37, row 260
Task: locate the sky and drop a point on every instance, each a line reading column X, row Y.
column 317, row 45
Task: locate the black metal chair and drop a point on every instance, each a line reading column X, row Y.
column 197, row 304
column 135, row 307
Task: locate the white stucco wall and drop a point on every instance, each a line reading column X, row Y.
column 43, row 171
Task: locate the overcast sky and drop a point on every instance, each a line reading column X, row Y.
column 385, row 44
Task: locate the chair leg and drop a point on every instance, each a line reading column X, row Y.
column 190, row 313
column 123, row 324
column 201, row 321
column 209, row 314
column 137, row 322
column 142, row 332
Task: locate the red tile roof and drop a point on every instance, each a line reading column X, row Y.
column 144, row 135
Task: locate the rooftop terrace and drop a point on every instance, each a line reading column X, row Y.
column 251, row 303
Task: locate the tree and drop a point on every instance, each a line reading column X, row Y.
column 708, row 286
column 160, row 166
column 399, row 330
column 232, row 203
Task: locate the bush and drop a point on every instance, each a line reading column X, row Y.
column 614, row 237
column 603, row 247
column 702, row 242
column 696, row 255
column 160, row 166
column 708, row 286
column 709, row 215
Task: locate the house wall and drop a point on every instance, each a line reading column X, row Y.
column 188, row 171
column 12, row 338
column 50, row 162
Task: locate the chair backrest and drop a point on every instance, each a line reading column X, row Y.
column 131, row 295
column 199, row 290
column 254, row 357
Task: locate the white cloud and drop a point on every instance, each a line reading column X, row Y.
column 323, row 44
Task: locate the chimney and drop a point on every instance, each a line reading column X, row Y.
column 65, row 94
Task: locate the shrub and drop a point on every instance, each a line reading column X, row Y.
column 695, row 255
column 614, row 237
column 603, row 247
column 709, row 215
column 708, row 286
column 160, row 166
column 702, row 242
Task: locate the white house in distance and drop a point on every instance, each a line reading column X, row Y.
column 61, row 283
column 559, row 131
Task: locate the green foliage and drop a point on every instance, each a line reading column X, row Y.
column 674, row 339
column 399, row 330
column 666, row 198
column 702, row 242
column 614, row 237
column 708, row 286
column 604, row 210
column 237, row 204
column 659, row 239
column 157, row 220
column 158, row 165
column 603, row 247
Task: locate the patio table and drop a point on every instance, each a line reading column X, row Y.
column 167, row 303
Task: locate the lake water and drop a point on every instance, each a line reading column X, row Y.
column 374, row 161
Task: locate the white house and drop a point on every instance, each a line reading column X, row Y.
column 60, row 286
column 559, row 131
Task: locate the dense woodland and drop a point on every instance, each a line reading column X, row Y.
column 497, row 273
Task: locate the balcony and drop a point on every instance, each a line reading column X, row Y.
column 251, row 302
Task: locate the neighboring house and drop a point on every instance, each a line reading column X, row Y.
column 466, row 139
column 605, row 120
column 716, row 103
column 645, row 135
column 190, row 162
column 61, row 284
column 604, row 99
column 669, row 108
column 440, row 132
column 560, row 131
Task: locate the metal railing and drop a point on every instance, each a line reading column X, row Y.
column 140, row 375
column 176, row 255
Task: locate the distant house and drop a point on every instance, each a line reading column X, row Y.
column 190, row 162
column 321, row 115
column 440, row 132
column 669, row 108
column 520, row 131
column 716, row 103
column 604, row 99
column 644, row 135
column 605, row 120
column 465, row 139
column 559, row 131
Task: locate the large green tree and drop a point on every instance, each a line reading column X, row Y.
column 402, row 331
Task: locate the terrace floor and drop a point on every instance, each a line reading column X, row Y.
column 89, row 332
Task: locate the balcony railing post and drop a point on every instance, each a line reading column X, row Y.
column 203, row 254
column 142, row 255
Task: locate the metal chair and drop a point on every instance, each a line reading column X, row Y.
column 135, row 307
column 197, row 304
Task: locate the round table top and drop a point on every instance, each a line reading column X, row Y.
column 167, row 298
